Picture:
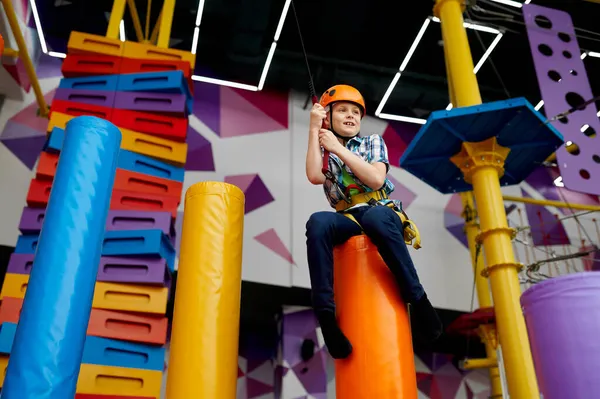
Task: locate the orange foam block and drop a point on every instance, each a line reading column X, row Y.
column 148, row 51
column 381, row 364
column 149, row 329
column 110, row 380
column 85, row 43
column 111, row 296
column 134, row 201
column 141, row 183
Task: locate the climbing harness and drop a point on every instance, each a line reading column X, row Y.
column 348, row 93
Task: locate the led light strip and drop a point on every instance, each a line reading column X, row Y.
column 205, row 79
column 408, row 56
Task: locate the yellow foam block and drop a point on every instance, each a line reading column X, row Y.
column 110, row 380
column 126, row 297
column 129, row 297
column 85, row 43
column 3, row 367
column 15, row 285
column 149, row 51
column 172, row 152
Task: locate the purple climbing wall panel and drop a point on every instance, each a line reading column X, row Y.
column 564, row 83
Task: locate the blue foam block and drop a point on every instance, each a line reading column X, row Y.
column 7, row 337
column 100, row 82
column 514, row 123
column 55, row 140
column 127, row 160
column 48, row 345
column 112, row 352
column 135, row 162
column 139, row 243
column 27, row 244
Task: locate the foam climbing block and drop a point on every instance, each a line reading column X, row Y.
column 111, row 296
column 140, row 270
column 76, row 65
column 26, row 244
column 77, row 109
column 364, row 285
column 103, row 98
column 165, row 150
column 7, row 336
column 39, row 193
column 170, row 103
column 139, row 182
column 14, row 285
column 141, row 65
column 85, row 43
column 20, row 263
column 46, row 167
column 151, row 52
column 127, row 160
column 32, row 220
column 144, row 328
column 111, row 380
column 159, row 81
column 140, row 220
column 111, row 352
column 135, row 162
column 152, row 243
column 100, row 82
column 131, row 200
column 166, row 126
column 131, row 298
column 3, row 367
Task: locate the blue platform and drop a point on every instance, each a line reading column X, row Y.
column 515, row 124
column 152, row 243
column 127, row 160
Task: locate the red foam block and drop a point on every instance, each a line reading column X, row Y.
column 76, row 65
column 75, row 108
column 166, row 126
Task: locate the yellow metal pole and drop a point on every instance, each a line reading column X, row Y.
column 116, row 15
column 557, row 204
column 35, row 84
column 137, row 25
column 477, row 260
column 166, row 20
column 483, row 291
column 482, row 164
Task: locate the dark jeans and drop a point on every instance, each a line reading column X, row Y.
column 381, row 224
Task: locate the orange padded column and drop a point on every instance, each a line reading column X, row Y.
column 375, row 319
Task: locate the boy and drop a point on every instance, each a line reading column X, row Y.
column 358, row 165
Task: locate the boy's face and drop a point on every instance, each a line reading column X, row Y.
column 346, row 119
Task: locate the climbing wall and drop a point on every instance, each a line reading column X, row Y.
column 146, row 92
column 564, row 84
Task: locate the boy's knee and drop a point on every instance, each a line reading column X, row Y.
column 319, row 222
column 378, row 217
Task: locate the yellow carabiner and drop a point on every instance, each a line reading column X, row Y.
column 411, row 232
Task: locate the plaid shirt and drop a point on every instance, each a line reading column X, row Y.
column 371, row 149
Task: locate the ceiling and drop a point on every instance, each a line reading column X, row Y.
column 355, row 42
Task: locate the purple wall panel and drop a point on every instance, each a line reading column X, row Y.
column 564, row 83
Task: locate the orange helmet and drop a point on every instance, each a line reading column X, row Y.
column 343, row 93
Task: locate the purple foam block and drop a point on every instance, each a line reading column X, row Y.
column 20, row 263
column 562, row 322
column 564, row 85
column 103, row 98
column 32, row 220
column 133, row 270
column 139, row 220
column 151, row 102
